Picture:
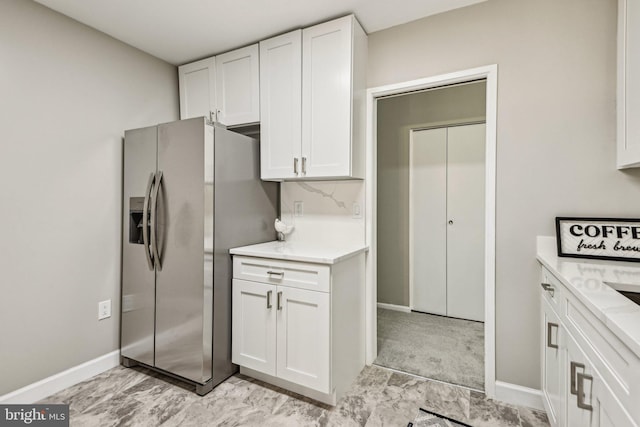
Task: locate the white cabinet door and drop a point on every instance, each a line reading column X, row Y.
column 197, row 83
column 326, row 98
column 590, row 401
column 428, row 220
column 553, row 365
column 238, row 86
column 628, row 83
column 254, row 326
column 465, row 221
column 304, row 338
column 579, row 371
column 280, row 105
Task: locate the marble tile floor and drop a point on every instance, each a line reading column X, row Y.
column 379, row 397
column 437, row 347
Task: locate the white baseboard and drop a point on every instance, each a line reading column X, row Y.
column 519, row 395
column 55, row 383
column 402, row 308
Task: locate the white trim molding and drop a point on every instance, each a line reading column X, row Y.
column 394, row 307
column 519, row 395
column 490, row 74
column 57, row 382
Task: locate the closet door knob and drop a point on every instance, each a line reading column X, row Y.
column 450, row 222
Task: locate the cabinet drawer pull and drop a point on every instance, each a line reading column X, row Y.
column 547, row 287
column 549, row 343
column 275, row 273
column 574, row 366
column 304, row 166
column 581, row 403
column 279, row 301
column 295, row 165
column 269, row 299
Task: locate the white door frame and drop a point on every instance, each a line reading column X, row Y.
column 490, row 73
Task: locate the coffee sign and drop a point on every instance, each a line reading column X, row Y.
column 599, row 238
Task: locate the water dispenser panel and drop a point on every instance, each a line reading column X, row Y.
column 136, row 205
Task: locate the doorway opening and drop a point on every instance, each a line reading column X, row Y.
column 431, row 194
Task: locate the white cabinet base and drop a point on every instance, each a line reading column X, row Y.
column 329, row 399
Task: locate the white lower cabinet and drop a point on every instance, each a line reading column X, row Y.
column 282, row 331
column 299, row 325
column 579, row 374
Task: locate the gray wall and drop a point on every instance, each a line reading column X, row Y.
column 556, row 132
column 67, row 94
column 396, row 117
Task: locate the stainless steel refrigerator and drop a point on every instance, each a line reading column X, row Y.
column 191, row 192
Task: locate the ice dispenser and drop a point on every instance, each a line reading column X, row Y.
column 136, row 207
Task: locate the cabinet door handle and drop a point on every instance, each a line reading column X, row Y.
column 581, row 403
column 547, row 287
column 279, row 307
column 574, row 366
column 304, row 165
column 549, row 327
column 295, row 165
column 269, row 299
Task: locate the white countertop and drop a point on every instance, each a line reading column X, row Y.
column 297, row 251
column 587, row 281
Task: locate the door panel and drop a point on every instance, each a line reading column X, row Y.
column 303, row 338
column 197, row 88
column 138, row 280
column 237, row 86
column 428, row 200
column 326, row 98
column 280, row 104
column 183, row 291
column 553, row 365
column 254, row 326
column 465, row 229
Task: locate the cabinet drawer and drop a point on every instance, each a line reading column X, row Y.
column 315, row 277
column 552, row 290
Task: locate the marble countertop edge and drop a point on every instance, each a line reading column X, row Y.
column 302, row 252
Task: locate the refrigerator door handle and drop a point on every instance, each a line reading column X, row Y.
column 145, row 222
column 154, row 222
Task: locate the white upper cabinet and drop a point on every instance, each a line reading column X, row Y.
column 628, row 83
column 238, row 86
column 331, row 136
column 280, row 105
column 197, row 83
column 224, row 88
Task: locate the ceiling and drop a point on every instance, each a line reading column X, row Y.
column 180, row 31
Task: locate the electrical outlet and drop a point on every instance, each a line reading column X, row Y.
column 104, row 309
column 356, row 211
column 298, row 208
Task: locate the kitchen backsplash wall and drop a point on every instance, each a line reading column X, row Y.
column 329, row 211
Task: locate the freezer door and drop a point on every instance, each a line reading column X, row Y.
column 138, row 276
column 184, row 282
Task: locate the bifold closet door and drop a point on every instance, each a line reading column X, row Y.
column 428, row 184
column 465, row 221
column 447, row 221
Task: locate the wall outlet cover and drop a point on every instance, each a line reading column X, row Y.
column 298, row 208
column 104, row 309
